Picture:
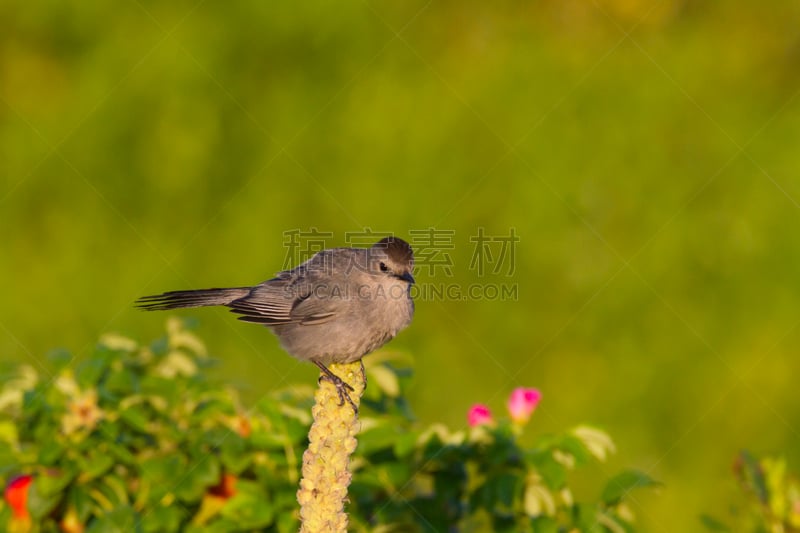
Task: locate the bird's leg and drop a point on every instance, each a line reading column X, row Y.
column 342, row 387
column 363, row 373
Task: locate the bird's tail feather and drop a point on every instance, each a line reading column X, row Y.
column 194, row 298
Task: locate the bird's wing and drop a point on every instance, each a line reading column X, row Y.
column 268, row 303
column 328, row 290
column 315, row 309
column 276, row 304
column 305, row 295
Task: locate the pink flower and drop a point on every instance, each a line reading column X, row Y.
column 522, row 403
column 479, row 415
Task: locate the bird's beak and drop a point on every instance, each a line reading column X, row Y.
column 407, row 277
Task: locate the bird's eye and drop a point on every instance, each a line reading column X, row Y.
column 383, row 267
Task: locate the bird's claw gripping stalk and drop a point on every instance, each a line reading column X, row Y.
column 343, row 389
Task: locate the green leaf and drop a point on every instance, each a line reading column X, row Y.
column 574, row 447
column 613, row 523
column 234, row 454
column 405, row 443
column 504, row 523
column 8, row 432
column 386, row 380
column 202, row 473
column 110, row 490
column 59, row 358
column 619, row 486
column 395, row 472
column 80, row 500
column 287, row 522
column 553, row 473
column 163, row 471
column 752, row 475
column 8, row 459
column 544, row 524
column 53, row 482
column 51, row 452
column 538, row 501
column 268, row 440
column 121, row 382
column 163, row 519
column 88, row 372
column 598, row 442
column 32, row 403
column 136, row 417
column 211, row 409
column 295, row 429
column 96, row 466
column 161, row 387
column 586, row 517
column 377, row 438
column 249, row 508
column 505, row 486
column 119, row 519
column 121, row 453
column 41, row 503
column 159, row 347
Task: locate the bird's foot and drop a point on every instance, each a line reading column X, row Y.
column 343, row 389
column 363, row 373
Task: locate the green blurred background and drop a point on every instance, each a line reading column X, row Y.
column 645, row 153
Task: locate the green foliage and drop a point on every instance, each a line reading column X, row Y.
column 772, row 497
column 139, row 438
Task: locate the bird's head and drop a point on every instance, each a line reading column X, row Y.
column 392, row 256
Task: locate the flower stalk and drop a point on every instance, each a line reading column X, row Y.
column 331, row 441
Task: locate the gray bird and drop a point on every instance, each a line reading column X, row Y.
column 336, row 307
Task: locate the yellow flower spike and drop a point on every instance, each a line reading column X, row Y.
column 331, row 441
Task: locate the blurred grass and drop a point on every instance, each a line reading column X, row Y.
column 652, row 179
